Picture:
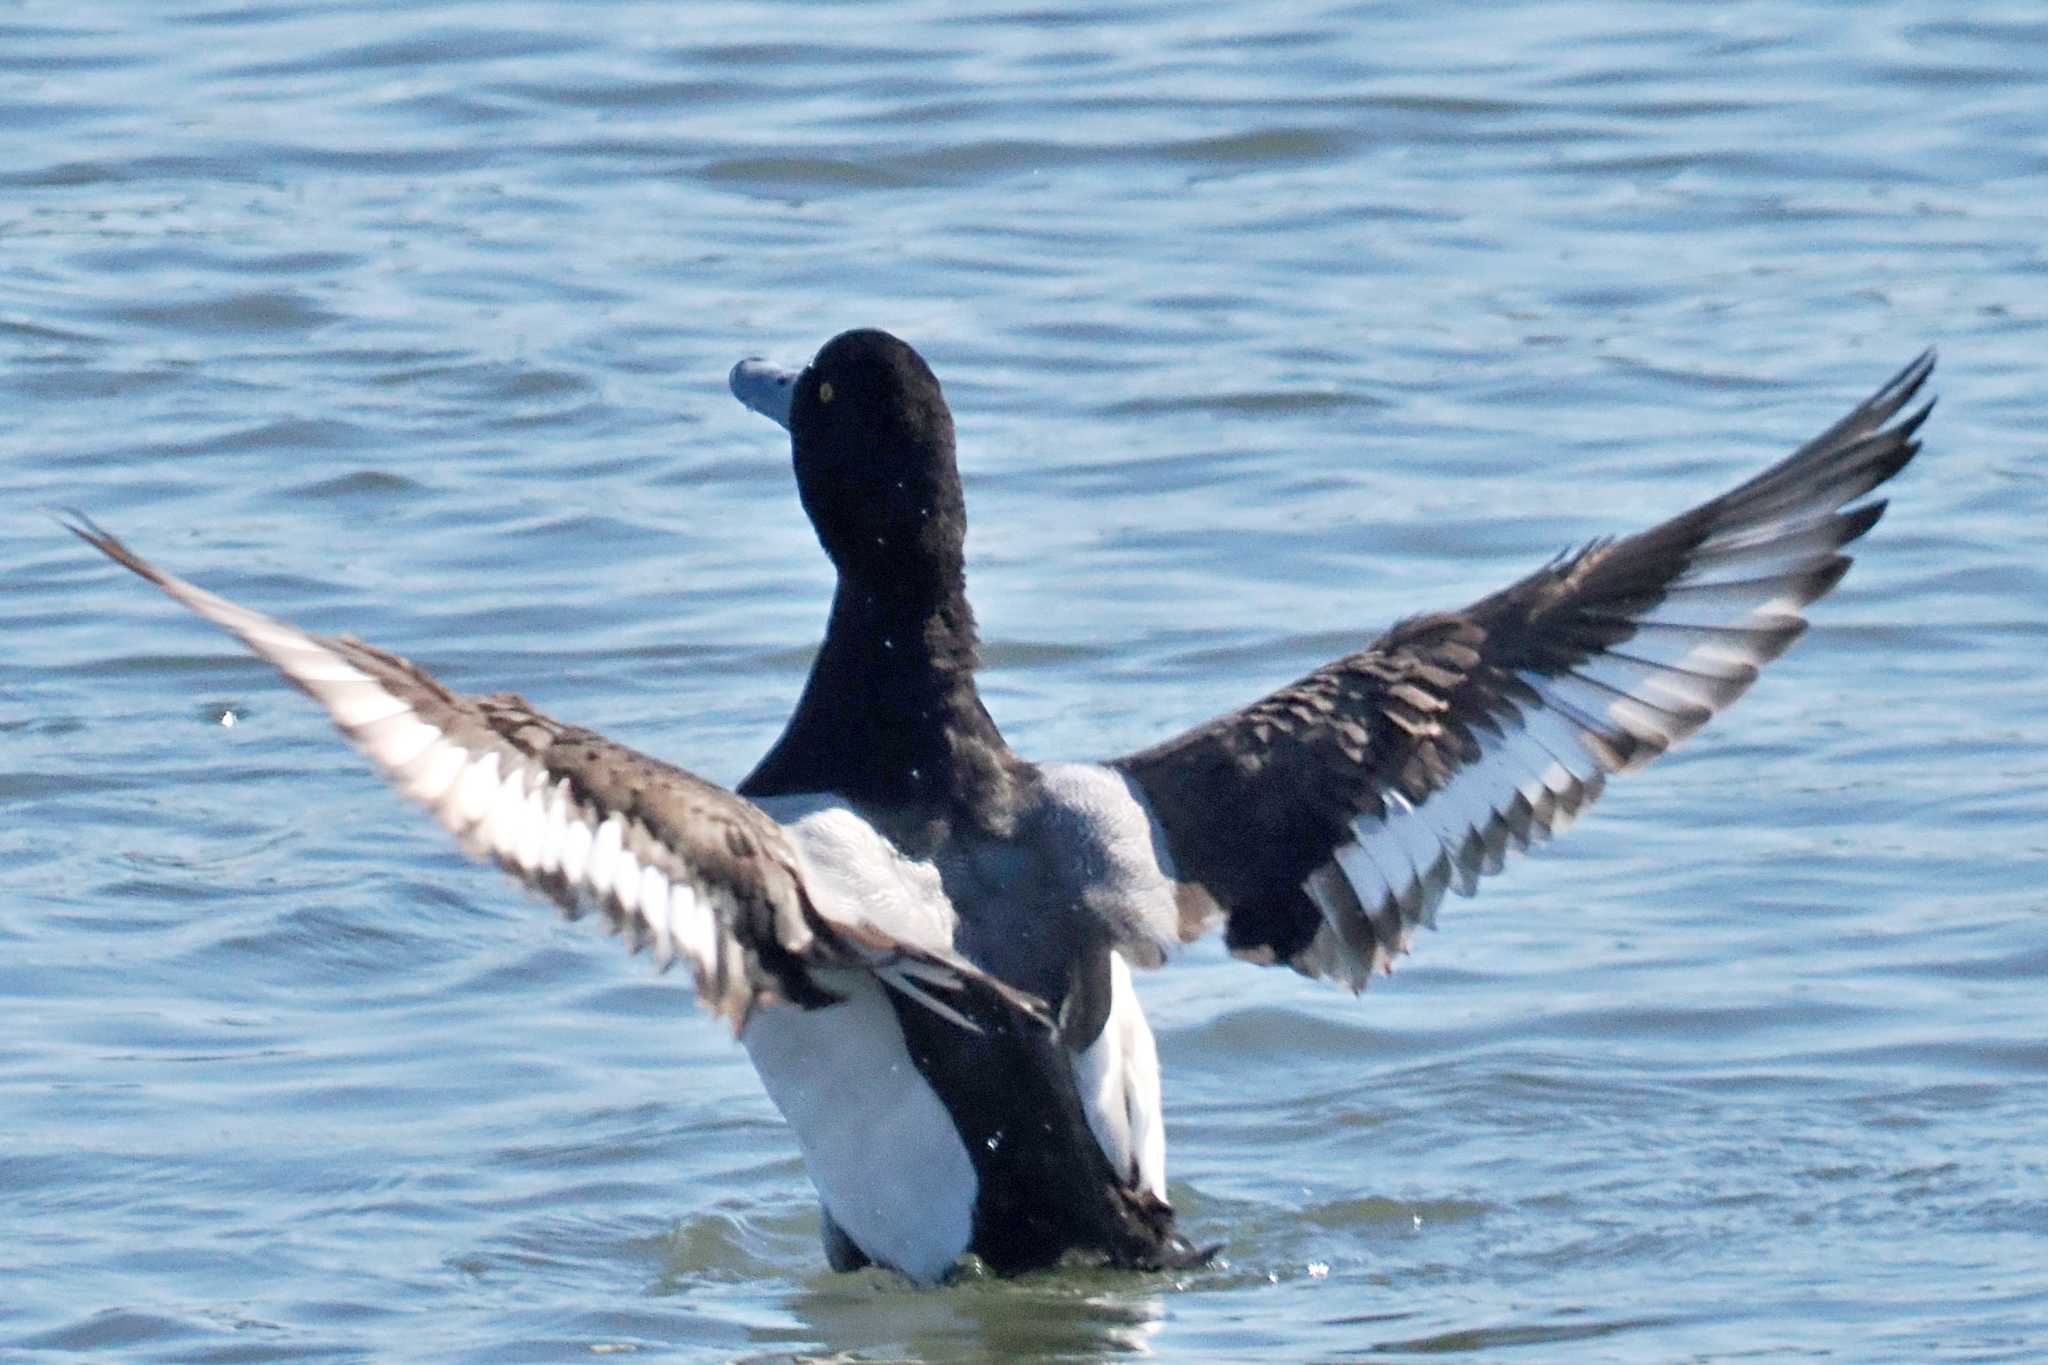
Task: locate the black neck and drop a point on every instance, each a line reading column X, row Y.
column 890, row 716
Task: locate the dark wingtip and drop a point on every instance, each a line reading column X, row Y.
column 78, row 524
column 1857, row 521
column 1912, row 421
column 1902, row 389
column 1902, row 386
column 105, row 541
column 1824, row 577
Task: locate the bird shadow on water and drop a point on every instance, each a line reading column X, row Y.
column 1284, row 1277
column 767, row 1272
column 1050, row 1315
column 1075, row 1314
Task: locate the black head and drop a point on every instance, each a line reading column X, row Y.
column 890, row 714
column 873, row 443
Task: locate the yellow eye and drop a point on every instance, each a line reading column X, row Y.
column 825, row 392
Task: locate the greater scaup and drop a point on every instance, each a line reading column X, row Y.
column 924, row 941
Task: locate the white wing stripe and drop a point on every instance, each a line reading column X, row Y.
column 1400, row 865
column 267, row 637
column 473, row 795
column 1669, row 689
column 654, row 911
column 1564, row 741
column 501, row 822
column 435, row 772
column 1746, row 602
column 1374, row 881
column 324, row 667
column 396, row 741
column 578, row 843
column 675, row 938
column 528, row 823
column 1524, row 769
column 689, row 922
column 1711, row 649
column 604, row 854
column 525, row 837
column 1457, row 814
column 1631, row 715
column 1426, row 854
column 359, row 704
column 1786, row 547
column 1385, row 842
column 554, row 827
column 626, row 882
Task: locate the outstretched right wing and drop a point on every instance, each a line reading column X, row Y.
column 704, row 876
column 1325, row 822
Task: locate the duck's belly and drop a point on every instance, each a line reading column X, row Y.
column 885, row 1155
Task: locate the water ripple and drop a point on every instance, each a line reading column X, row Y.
column 413, row 320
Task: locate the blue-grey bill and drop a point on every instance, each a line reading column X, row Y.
column 765, row 388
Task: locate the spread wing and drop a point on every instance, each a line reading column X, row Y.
column 1326, row 821
column 703, row 876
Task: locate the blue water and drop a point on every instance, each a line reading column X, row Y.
column 1264, row 325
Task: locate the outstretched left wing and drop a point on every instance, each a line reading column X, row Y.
column 703, row 875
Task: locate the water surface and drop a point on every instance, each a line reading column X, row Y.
column 1264, row 326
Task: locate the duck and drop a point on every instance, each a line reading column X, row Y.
column 926, row 942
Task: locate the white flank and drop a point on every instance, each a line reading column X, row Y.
column 888, row 1163
column 1118, row 1077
